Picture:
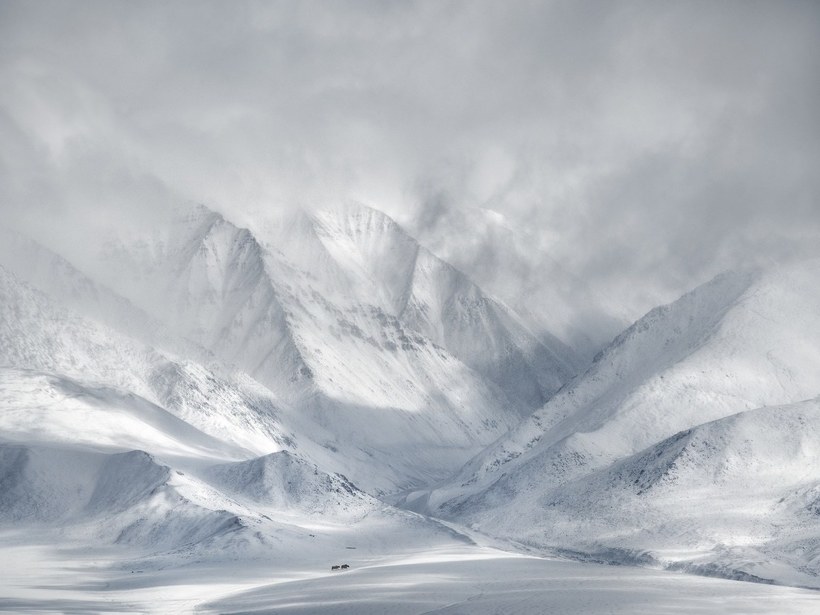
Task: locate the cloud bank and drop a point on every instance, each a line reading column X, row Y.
column 644, row 146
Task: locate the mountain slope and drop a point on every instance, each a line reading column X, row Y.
column 47, row 271
column 56, row 355
column 354, row 381
column 741, row 341
column 440, row 302
column 69, row 474
column 738, row 497
column 382, row 350
column 348, row 274
column 283, row 482
column 122, row 498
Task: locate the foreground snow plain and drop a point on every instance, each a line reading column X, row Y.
column 448, row 578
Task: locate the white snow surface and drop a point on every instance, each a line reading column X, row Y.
column 451, row 579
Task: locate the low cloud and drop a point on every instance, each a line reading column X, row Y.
column 644, row 145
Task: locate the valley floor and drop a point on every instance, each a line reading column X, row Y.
column 451, row 578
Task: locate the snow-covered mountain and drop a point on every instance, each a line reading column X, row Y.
column 386, row 350
column 742, row 341
column 76, row 358
column 355, row 334
column 113, row 446
column 341, row 302
column 215, row 392
column 47, row 271
column 214, row 397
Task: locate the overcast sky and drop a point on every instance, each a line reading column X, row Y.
column 644, row 145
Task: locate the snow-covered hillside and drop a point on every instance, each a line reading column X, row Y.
column 744, row 340
column 387, row 352
column 337, row 326
column 52, row 354
column 736, row 497
column 286, row 302
column 50, row 273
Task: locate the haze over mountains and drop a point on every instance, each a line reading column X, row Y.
column 218, row 393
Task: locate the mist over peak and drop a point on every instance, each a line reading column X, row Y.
column 647, row 147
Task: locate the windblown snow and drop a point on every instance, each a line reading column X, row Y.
column 220, row 414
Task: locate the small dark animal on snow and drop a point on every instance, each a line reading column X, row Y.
column 334, row 567
column 345, row 566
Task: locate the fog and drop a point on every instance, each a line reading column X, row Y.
column 637, row 148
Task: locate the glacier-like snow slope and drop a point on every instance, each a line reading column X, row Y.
column 742, row 341
column 44, row 408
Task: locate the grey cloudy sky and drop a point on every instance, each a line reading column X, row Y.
column 644, row 145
